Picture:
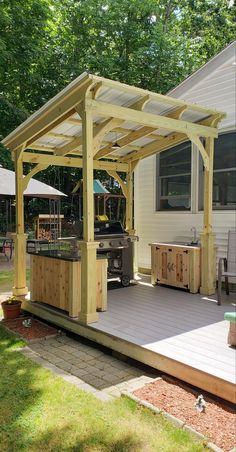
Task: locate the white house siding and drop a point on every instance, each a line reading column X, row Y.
column 216, row 90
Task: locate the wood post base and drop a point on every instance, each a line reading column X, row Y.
column 88, row 313
column 88, row 318
column 20, row 287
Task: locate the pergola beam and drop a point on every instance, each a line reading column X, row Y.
column 99, row 130
column 123, row 142
column 42, row 148
column 32, row 173
column 161, row 98
column 196, row 140
column 74, row 121
column 73, row 162
column 59, row 135
column 149, row 119
column 120, row 181
column 155, row 147
column 134, row 135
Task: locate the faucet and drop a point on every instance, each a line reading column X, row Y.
column 194, row 230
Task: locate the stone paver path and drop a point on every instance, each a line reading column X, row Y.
column 90, row 368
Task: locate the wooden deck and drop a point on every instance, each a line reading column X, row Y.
column 176, row 332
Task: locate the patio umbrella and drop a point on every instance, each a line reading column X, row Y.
column 35, row 188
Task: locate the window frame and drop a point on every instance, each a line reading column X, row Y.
column 159, row 178
column 201, row 181
column 197, row 177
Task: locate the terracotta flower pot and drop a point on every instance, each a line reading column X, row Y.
column 11, row 310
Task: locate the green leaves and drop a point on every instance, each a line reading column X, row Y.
column 153, row 44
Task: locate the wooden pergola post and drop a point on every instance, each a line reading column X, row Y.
column 88, row 313
column 19, row 288
column 129, row 202
column 208, row 252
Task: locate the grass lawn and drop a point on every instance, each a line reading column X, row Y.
column 42, row 412
column 6, row 277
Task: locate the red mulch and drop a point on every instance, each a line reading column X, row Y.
column 37, row 330
column 218, row 423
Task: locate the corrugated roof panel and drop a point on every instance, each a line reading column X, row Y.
column 76, row 116
column 143, row 141
column 68, row 129
column 192, row 116
column 122, row 152
column 45, row 140
column 50, row 141
column 156, row 108
column 110, row 93
column 113, row 136
column 130, row 125
column 115, row 97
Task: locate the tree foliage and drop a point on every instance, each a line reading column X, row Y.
column 153, row 44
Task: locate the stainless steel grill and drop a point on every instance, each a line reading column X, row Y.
column 118, row 246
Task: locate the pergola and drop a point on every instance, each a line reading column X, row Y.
column 96, row 123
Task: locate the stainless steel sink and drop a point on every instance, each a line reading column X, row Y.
column 184, row 243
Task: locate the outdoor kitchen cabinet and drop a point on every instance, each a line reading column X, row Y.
column 56, row 281
column 176, row 265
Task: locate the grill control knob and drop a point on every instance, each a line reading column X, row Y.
column 101, row 245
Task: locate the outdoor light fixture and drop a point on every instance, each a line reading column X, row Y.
column 116, row 144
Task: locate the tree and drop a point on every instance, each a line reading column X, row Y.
column 153, row 44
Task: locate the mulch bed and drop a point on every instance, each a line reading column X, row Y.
column 37, row 330
column 217, row 423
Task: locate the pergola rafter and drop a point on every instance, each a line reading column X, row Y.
column 85, row 120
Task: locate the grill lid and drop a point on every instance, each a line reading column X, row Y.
column 108, row 227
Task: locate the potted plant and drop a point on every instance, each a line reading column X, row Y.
column 11, row 308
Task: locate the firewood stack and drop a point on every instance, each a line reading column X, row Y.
column 44, row 234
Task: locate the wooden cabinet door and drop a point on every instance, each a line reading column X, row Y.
column 180, row 259
column 173, row 266
column 154, row 263
column 158, row 264
column 170, row 265
column 165, row 266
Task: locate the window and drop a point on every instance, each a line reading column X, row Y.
column 174, row 178
column 224, row 175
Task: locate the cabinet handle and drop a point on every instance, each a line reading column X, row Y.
column 170, row 267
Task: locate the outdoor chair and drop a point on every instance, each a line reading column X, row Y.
column 6, row 247
column 227, row 266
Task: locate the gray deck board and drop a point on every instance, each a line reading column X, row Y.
column 186, row 327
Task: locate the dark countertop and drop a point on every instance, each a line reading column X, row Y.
column 58, row 254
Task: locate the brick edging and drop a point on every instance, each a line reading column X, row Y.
column 174, row 420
